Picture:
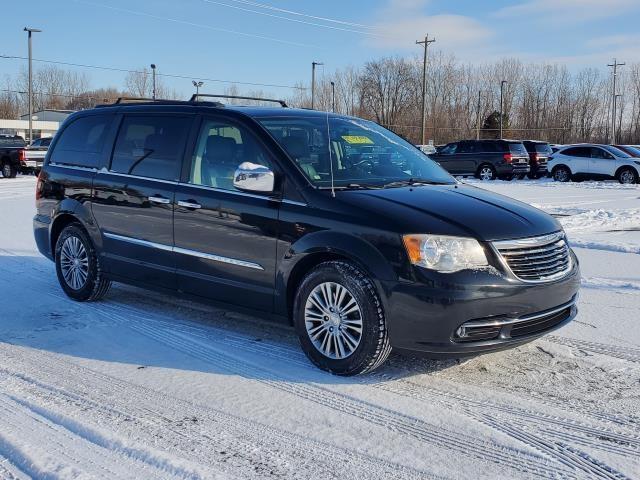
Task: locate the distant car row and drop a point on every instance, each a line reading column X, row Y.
column 508, row 159
column 16, row 156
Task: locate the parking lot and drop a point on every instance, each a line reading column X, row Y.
column 141, row 384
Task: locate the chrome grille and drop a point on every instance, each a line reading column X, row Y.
column 536, row 259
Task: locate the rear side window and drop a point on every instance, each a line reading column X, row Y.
column 151, row 146
column 577, row 152
column 489, row 147
column 81, row 142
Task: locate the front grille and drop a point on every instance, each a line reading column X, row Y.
column 536, row 259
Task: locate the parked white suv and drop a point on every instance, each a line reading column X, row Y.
column 593, row 161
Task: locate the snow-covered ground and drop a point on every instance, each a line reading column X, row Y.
column 144, row 386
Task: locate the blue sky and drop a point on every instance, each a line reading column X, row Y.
column 227, row 39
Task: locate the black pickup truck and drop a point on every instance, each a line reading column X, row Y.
column 11, row 154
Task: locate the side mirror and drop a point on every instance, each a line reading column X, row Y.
column 252, row 177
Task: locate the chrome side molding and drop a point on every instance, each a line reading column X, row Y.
column 184, row 251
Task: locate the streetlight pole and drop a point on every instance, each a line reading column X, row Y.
column 313, row 83
column 333, row 97
column 478, row 116
column 197, row 85
column 502, row 83
column 30, row 31
column 615, row 66
column 615, row 129
column 423, row 115
column 153, row 74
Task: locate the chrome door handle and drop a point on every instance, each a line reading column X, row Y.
column 159, row 200
column 194, row 205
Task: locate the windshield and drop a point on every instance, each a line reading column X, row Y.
column 363, row 154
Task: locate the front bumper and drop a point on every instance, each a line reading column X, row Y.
column 427, row 315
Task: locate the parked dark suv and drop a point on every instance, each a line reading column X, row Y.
column 329, row 222
column 539, row 153
column 484, row 159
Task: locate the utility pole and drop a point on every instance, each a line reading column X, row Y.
column 426, row 43
column 502, row 83
column 333, row 97
column 615, row 66
column 153, row 74
column 313, row 83
column 30, row 31
column 478, row 116
column 197, row 85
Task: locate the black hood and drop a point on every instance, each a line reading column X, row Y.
column 453, row 210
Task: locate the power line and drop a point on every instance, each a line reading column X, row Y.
column 291, row 12
column 305, row 22
column 193, row 24
column 168, row 75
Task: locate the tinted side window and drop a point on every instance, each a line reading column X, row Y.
column 82, row 141
column 467, row 147
column 450, row 149
column 600, row 153
column 151, row 146
column 577, row 152
column 490, row 147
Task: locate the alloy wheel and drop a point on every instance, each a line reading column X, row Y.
column 333, row 320
column 561, row 175
column 627, row 177
column 486, row 173
column 74, row 263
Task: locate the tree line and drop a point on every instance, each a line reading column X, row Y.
column 540, row 101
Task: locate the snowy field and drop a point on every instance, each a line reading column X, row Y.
column 141, row 385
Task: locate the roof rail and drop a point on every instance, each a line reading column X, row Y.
column 157, row 101
column 196, row 96
column 136, row 99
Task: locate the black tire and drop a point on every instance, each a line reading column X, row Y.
column 486, row 172
column 561, row 174
column 522, row 176
column 627, row 176
column 9, row 170
column 96, row 285
column 373, row 347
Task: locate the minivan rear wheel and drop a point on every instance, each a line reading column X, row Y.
column 339, row 319
column 486, row 172
column 78, row 266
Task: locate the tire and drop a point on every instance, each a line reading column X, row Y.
column 627, row 176
column 561, row 174
column 9, row 171
column 89, row 283
column 330, row 340
column 486, row 172
column 522, row 176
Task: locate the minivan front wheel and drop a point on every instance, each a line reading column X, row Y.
column 486, row 172
column 339, row 319
column 77, row 265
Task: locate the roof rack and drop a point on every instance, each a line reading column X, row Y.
column 196, row 96
column 157, row 101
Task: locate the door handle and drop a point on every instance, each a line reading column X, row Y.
column 159, row 200
column 189, row 204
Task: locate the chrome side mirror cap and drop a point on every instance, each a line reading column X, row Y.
column 251, row 177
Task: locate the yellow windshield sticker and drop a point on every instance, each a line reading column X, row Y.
column 357, row 140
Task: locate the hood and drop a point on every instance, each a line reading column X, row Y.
column 453, row 210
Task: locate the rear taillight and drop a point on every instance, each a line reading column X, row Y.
column 39, row 186
column 534, row 157
column 507, row 157
column 22, row 155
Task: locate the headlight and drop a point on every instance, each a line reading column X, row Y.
column 444, row 253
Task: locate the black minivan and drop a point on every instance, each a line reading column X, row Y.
column 329, row 222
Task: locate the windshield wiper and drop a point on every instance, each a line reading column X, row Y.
column 410, row 182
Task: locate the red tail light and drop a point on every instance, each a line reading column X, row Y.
column 507, row 157
column 22, row 155
column 534, row 157
column 39, row 186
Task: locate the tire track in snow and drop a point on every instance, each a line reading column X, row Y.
column 280, row 453
column 416, row 428
column 629, row 354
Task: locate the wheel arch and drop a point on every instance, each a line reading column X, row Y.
column 70, row 211
column 321, row 247
column 556, row 167
column 630, row 167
